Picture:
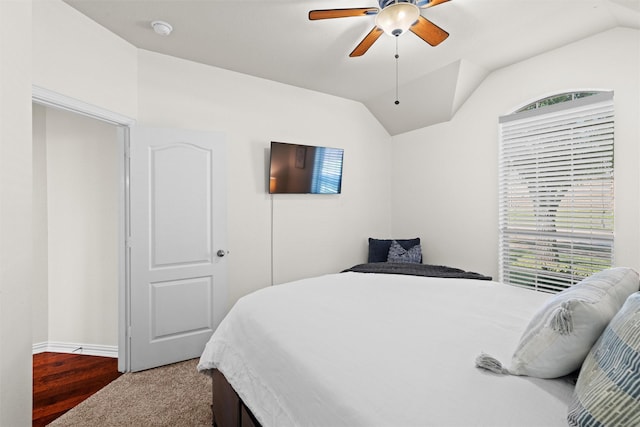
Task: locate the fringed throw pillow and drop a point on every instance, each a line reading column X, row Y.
column 561, row 333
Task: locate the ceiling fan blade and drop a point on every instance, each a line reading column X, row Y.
column 429, row 3
column 366, row 43
column 341, row 13
column 428, row 31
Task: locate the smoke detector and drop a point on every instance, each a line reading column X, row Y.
column 162, row 28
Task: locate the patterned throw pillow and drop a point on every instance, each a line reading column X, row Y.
column 399, row 254
column 608, row 388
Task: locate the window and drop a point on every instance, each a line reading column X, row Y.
column 555, row 99
column 327, row 170
column 556, row 191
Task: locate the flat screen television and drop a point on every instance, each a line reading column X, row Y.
column 305, row 169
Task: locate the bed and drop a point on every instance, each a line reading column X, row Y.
column 379, row 349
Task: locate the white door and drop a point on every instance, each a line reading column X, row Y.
column 177, row 284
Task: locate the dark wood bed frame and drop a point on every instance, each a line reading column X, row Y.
column 228, row 409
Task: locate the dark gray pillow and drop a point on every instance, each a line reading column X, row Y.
column 379, row 248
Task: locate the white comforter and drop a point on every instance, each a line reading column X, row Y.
column 355, row 349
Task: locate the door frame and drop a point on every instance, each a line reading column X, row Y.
column 123, row 123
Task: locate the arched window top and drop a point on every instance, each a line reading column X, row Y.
column 556, row 99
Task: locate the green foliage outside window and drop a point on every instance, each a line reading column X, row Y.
column 555, row 99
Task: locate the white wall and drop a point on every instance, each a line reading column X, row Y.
column 75, row 229
column 445, row 176
column 16, row 244
column 312, row 234
column 74, row 56
column 82, row 206
column 40, row 292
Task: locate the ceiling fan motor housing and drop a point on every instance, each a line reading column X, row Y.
column 385, row 3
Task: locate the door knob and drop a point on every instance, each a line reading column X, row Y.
column 221, row 253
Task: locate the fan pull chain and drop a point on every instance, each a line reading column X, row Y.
column 397, row 56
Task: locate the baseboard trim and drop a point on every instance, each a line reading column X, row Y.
column 76, row 348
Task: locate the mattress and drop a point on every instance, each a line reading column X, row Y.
column 358, row 349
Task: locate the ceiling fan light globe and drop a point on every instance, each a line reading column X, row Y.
column 397, row 18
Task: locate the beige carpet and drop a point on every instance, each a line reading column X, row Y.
column 173, row 395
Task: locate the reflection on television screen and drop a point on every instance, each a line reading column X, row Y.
column 303, row 169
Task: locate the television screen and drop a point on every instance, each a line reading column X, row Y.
column 305, row 169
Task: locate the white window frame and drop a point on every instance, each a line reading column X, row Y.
column 556, row 193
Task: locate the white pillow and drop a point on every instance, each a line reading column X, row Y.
column 561, row 333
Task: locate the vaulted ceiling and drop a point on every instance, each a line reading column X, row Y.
column 275, row 40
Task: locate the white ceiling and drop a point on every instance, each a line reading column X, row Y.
column 275, row 40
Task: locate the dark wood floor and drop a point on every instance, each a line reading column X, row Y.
column 61, row 381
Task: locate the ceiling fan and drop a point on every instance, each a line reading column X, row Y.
column 394, row 17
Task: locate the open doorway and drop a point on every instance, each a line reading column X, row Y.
column 210, row 215
column 121, row 124
column 76, row 223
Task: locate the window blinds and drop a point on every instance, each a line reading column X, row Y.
column 556, row 193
